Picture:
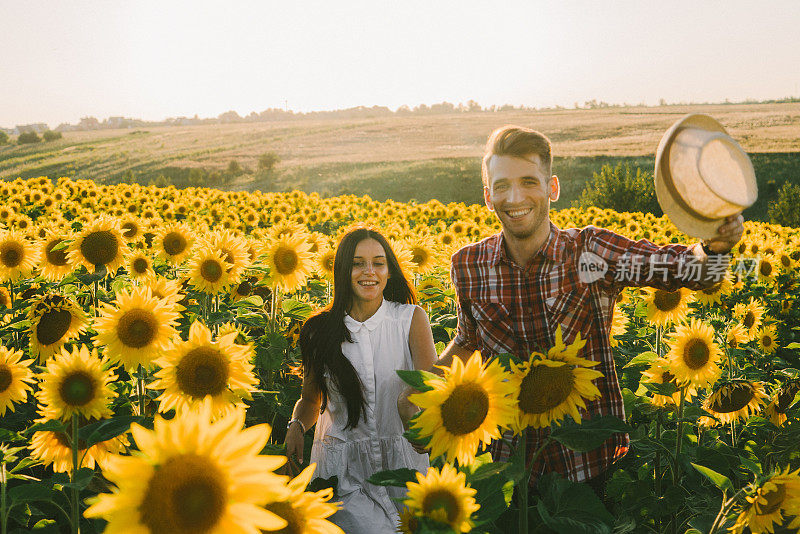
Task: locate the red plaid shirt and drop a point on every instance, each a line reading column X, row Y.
column 503, row 307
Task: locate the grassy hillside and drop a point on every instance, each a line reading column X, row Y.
column 416, row 157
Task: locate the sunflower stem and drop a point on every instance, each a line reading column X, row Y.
column 75, row 492
column 523, row 488
column 676, row 468
column 275, row 300
column 657, row 466
column 14, row 334
column 140, row 390
column 679, row 439
column 95, row 299
column 3, row 518
column 526, row 478
column 657, row 463
column 724, row 509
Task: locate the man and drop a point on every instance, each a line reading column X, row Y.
column 515, row 288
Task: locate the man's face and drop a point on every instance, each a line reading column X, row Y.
column 519, row 192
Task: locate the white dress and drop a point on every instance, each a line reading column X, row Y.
column 379, row 348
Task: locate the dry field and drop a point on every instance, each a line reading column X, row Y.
column 612, row 131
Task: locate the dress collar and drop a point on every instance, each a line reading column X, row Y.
column 371, row 323
column 552, row 249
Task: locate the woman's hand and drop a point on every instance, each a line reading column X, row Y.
column 294, row 446
column 408, row 410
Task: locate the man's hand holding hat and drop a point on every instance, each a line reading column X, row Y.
column 728, row 235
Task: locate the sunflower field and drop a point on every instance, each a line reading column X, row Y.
column 149, row 364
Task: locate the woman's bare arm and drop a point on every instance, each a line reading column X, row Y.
column 423, row 355
column 306, row 410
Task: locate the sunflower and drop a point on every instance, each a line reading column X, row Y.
column 54, row 319
column 659, row 373
column 5, row 298
column 137, row 329
column 619, row 325
column 174, row 242
column 243, row 289
column 99, row 243
column 736, row 336
column 767, row 269
column 404, row 255
column 168, row 291
column 766, row 337
column 664, row 307
column 289, row 262
column 199, row 367
column 735, row 400
column 76, row 383
column 18, row 256
column 408, row 523
column 132, row 230
column 779, row 493
column 324, row 263
column 548, row 388
column 750, row 315
column 55, row 448
column 208, row 272
column 55, row 264
column 16, row 378
column 423, row 255
column 443, row 496
column 713, row 295
column 693, row 354
column 781, row 402
column 305, row 512
column 464, row 408
column 140, row 266
column 234, row 251
column 193, row 475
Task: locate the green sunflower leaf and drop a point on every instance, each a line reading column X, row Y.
column 645, row 358
column 588, row 435
column 107, row 429
column 718, row 479
column 667, row 389
column 416, row 379
column 52, row 425
column 394, row 477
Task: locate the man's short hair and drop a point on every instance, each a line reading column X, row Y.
column 516, row 141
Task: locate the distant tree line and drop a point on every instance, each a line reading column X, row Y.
column 30, row 137
column 361, row 112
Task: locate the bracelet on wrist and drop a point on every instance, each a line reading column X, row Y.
column 298, row 421
column 710, row 252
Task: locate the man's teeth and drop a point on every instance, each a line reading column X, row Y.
column 518, row 213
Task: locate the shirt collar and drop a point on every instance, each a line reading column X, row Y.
column 553, row 248
column 371, row 323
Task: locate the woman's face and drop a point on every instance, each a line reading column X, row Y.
column 370, row 271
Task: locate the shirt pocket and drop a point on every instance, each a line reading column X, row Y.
column 494, row 327
column 572, row 310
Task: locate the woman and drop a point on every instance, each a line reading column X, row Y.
column 351, row 351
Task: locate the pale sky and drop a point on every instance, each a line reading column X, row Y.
column 62, row 60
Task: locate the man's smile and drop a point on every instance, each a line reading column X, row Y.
column 518, row 213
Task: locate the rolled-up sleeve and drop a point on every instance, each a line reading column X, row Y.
column 466, row 330
column 643, row 263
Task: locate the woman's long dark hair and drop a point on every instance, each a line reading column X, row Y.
column 322, row 335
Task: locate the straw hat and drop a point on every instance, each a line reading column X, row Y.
column 702, row 176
